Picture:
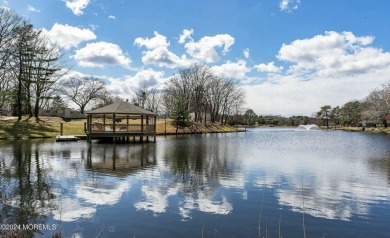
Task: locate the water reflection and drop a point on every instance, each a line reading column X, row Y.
column 70, row 210
column 27, row 191
column 381, row 164
column 121, row 160
column 332, row 185
column 38, row 179
column 338, row 184
column 202, row 178
column 105, row 179
column 193, row 170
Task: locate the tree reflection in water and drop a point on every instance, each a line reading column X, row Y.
column 26, row 189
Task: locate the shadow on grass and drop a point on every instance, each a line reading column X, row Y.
column 26, row 129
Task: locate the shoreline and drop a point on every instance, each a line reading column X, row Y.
column 83, row 137
column 49, row 127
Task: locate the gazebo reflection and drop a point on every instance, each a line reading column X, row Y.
column 120, row 160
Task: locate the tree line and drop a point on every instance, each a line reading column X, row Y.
column 30, row 65
column 197, row 92
column 372, row 110
column 32, row 70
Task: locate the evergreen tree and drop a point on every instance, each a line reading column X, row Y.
column 23, row 52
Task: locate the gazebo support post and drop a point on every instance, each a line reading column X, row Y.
column 104, row 122
column 147, row 126
column 113, row 127
column 127, row 127
column 155, row 123
column 142, row 128
column 89, row 128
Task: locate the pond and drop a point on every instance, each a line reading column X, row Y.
column 267, row 181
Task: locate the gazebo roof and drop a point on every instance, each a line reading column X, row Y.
column 122, row 108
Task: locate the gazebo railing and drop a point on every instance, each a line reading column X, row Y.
column 100, row 127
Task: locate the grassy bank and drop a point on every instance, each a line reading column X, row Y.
column 50, row 127
column 357, row 129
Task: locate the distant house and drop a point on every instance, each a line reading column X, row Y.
column 385, row 122
column 63, row 112
column 366, row 123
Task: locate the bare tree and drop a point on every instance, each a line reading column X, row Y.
column 199, row 91
column 200, row 77
column 83, row 90
column 51, row 95
column 9, row 22
column 153, row 100
column 234, row 100
column 377, row 104
column 106, row 98
column 148, row 98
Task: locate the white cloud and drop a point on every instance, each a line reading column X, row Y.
column 289, row 5
column 246, row 53
column 32, row 9
column 334, row 53
column 205, row 48
column 77, row 6
column 125, row 87
column 158, row 53
column 112, row 17
column 101, row 54
column 333, row 68
column 300, row 94
column 155, row 42
column 269, row 68
column 236, row 70
column 186, row 35
column 162, row 57
column 68, row 36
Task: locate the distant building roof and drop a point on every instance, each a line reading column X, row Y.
column 122, row 108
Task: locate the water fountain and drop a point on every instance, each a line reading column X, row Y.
column 310, row 127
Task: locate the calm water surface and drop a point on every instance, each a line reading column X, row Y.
column 218, row 184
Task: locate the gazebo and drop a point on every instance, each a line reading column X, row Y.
column 119, row 122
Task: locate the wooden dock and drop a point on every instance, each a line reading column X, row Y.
column 66, row 138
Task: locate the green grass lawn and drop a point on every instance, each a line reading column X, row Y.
column 47, row 127
column 24, row 129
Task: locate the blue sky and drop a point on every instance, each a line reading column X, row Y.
column 290, row 56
